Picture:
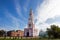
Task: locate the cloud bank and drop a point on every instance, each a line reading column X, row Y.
column 49, row 9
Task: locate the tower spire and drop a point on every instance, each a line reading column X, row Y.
column 31, row 22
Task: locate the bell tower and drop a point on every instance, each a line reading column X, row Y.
column 30, row 31
column 31, row 19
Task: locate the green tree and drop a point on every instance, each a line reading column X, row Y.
column 2, row 32
column 53, row 32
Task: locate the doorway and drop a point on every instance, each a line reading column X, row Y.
column 27, row 34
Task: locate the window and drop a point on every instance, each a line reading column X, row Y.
column 29, row 25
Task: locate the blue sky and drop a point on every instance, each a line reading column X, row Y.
column 14, row 13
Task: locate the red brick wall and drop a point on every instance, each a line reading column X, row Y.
column 17, row 33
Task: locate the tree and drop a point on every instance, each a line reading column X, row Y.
column 2, row 32
column 53, row 32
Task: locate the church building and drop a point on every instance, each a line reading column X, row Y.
column 30, row 31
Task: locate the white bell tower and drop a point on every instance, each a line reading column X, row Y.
column 30, row 31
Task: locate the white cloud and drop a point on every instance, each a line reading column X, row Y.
column 26, row 5
column 48, row 9
column 18, row 9
column 16, row 22
column 17, row 5
column 56, row 23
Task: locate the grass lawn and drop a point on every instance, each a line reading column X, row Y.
column 25, row 39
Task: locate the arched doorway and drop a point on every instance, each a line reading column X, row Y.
column 27, row 34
